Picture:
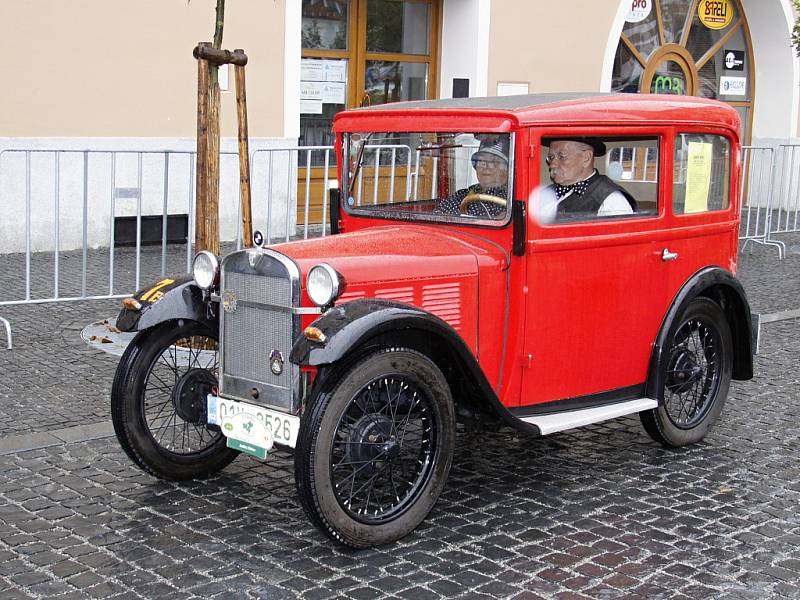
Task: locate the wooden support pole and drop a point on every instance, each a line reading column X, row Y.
column 203, row 86
column 244, row 153
column 212, row 203
column 207, row 210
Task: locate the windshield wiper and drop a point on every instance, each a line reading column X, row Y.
column 358, row 165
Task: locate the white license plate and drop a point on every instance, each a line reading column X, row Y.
column 284, row 427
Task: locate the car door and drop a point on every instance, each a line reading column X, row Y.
column 596, row 288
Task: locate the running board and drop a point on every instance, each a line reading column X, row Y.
column 560, row 421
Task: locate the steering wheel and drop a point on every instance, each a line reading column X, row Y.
column 474, row 197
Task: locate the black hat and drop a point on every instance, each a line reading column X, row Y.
column 496, row 147
column 598, row 147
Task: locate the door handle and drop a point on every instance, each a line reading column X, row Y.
column 666, row 255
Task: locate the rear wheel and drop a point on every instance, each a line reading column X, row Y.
column 374, row 452
column 697, row 375
column 158, row 402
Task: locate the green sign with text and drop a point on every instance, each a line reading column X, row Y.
column 250, row 449
column 668, row 84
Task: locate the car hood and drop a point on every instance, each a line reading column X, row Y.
column 397, row 254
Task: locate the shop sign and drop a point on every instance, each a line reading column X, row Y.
column 734, row 60
column 666, row 84
column 715, row 14
column 640, row 10
column 733, row 86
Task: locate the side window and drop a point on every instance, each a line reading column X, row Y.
column 701, row 173
column 597, row 178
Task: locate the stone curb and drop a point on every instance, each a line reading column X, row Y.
column 68, row 435
column 780, row 316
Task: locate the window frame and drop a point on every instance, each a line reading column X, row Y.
column 663, row 185
column 357, row 55
column 364, row 211
column 733, row 185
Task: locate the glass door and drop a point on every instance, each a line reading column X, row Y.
column 357, row 53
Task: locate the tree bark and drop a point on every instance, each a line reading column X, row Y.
column 219, row 24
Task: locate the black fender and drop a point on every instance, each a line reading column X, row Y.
column 166, row 300
column 350, row 327
column 723, row 288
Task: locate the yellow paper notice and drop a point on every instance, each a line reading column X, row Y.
column 698, row 177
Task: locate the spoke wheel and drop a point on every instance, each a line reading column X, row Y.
column 374, row 451
column 693, row 373
column 383, row 447
column 158, row 402
column 696, row 376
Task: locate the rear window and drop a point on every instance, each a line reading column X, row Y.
column 702, row 173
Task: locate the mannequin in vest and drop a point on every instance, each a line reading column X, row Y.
column 578, row 190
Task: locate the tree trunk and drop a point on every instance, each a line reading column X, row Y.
column 208, row 139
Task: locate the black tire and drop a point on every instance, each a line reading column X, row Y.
column 158, row 402
column 375, row 448
column 697, row 374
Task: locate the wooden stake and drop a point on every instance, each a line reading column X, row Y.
column 212, row 203
column 203, row 86
column 244, row 155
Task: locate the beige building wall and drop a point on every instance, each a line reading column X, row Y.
column 565, row 41
column 124, row 68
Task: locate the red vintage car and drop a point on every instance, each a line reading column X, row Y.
column 538, row 262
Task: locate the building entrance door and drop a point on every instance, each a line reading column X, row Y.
column 357, row 53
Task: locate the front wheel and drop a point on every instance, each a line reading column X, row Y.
column 374, row 452
column 158, row 402
column 697, row 375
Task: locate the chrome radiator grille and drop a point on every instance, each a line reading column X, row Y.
column 258, row 290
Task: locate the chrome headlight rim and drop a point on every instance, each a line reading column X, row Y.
column 323, row 297
column 209, row 278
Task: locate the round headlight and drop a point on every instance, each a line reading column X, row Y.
column 322, row 284
column 205, row 269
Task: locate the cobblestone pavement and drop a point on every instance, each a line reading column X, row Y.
column 598, row 512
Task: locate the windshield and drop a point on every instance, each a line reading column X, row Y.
column 429, row 176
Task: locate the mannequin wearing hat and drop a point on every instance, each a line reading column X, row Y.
column 577, row 186
column 487, row 198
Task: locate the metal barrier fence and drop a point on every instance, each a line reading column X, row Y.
column 42, row 212
column 757, row 185
column 319, row 157
column 771, row 194
column 57, row 237
column 786, row 208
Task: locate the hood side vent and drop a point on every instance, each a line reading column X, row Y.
column 444, row 301
column 403, row 294
column 350, row 296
